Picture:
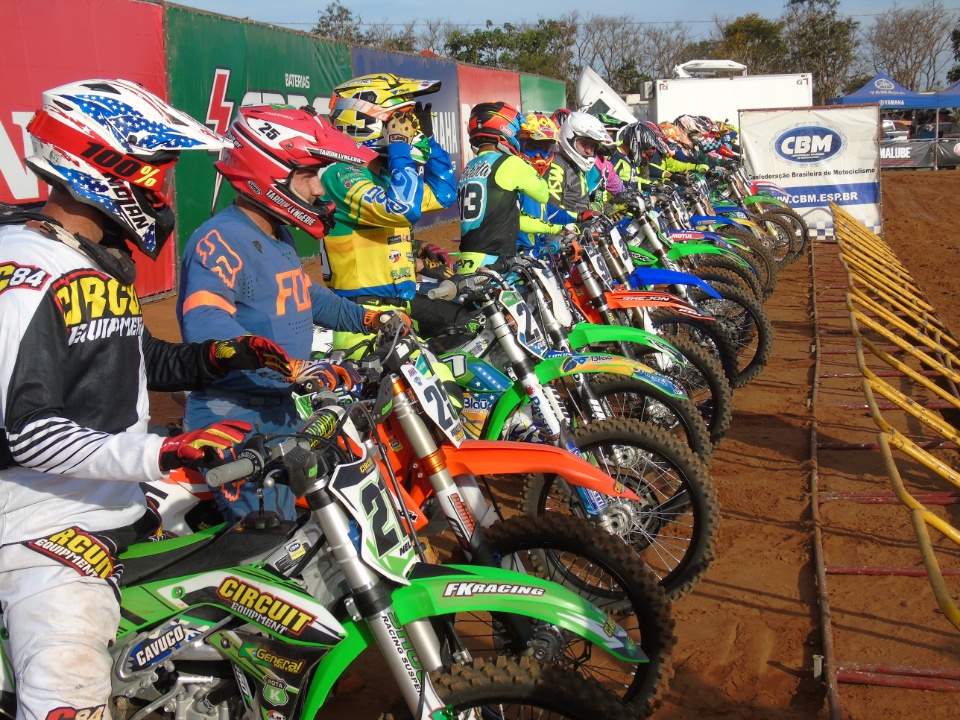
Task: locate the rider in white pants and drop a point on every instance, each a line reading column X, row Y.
column 75, row 368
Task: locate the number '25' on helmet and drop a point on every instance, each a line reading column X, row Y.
column 112, row 144
column 361, row 107
column 271, row 142
column 495, row 123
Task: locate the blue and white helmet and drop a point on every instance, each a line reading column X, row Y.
column 112, row 144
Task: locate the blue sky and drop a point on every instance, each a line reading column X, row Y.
column 302, row 14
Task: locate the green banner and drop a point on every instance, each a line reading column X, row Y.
column 540, row 93
column 217, row 64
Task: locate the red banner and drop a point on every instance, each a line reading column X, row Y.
column 49, row 43
column 479, row 85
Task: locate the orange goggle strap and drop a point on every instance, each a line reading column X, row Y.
column 149, row 176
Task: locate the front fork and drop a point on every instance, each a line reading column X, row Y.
column 547, row 407
column 370, row 601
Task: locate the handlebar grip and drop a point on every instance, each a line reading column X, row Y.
column 230, row 472
column 446, row 290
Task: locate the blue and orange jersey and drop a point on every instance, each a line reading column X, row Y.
column 236, row 280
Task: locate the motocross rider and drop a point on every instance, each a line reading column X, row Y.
column 240, row 273
column 501, row 195
column 76, row 366
column 371, row 254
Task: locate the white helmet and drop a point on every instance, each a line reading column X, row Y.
column 112, row 144
column 580, row 127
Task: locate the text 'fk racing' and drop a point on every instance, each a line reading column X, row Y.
column 271, row 612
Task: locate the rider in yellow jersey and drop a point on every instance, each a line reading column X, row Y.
column 370, row 252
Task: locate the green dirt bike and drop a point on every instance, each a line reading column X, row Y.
column 259, row 619
column 563, row 384
column 512, row 390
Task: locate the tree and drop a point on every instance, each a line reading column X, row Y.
column 820, row 42
column 755, row 42
column 954, row 74
column 337, row 23
column 911, row 45
column 542, row 48
column 662, row 48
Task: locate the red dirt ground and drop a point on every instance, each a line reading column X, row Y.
column 750, row 633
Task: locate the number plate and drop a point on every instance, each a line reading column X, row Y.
column 435, row 403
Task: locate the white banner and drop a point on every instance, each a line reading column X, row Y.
column 818, row 156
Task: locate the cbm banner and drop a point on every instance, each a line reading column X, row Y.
column 817, row 156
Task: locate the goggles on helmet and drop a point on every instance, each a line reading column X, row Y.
column 538, row 148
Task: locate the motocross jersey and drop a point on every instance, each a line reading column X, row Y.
column 490, row 188
column 569, row 187
column 369, row 250
column 235, row 279
column 76, row 365
column 633, row 177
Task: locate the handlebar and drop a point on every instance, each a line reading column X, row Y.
column 239, row 469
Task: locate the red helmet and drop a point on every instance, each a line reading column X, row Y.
column 269, row 143
column 495, row 123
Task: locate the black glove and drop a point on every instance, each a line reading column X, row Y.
column 425, row 116
column 247, row 352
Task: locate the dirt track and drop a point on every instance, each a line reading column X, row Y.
column 749, row 634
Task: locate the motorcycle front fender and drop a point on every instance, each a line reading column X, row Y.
column 553, row 368
column 715, row 221
column 765, row 199
column 656, row 276
column 491, row 457
column 443, row 590
column 584, row 334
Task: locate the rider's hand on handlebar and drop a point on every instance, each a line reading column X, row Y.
column 374, row 320
column 333, row 375
column 193, row 447
column 247, row 352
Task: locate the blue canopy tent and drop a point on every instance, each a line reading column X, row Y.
column 889, row 93
column 917, row 151
column 950, row 97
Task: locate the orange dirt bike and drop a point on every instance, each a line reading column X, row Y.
column 435, row 471
column 576, row 554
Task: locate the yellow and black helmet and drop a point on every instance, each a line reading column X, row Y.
column 360, row 107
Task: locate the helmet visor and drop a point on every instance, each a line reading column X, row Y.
column 152, row 173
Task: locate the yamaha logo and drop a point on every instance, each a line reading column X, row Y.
column 808, row 144
column 883, row 84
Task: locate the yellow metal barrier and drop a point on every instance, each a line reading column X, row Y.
column 885, row 301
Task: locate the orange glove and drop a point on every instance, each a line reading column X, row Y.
column 193, row 447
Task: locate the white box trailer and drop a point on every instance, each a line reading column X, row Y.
column 719, row 98
column 722, row 98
